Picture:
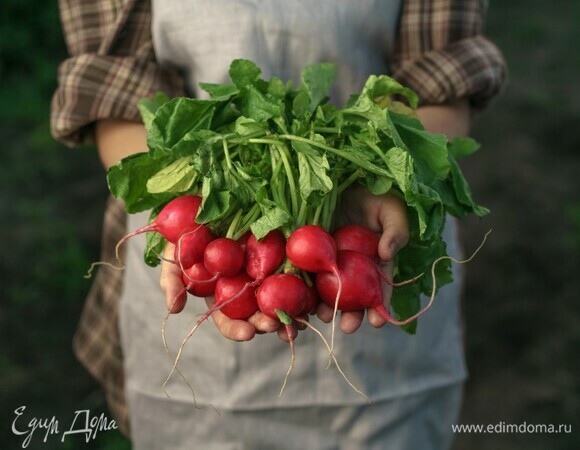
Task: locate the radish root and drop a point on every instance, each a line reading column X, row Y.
column 91, row 268
column 387, row 280
column 195, row 327
column 292, row 357
column 387, row 316
column 317, row 331
column 182, row 376
column 166, row 346
column 334, row 313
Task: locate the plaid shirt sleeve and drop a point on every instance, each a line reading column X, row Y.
column 442, row 54
column 111, row 66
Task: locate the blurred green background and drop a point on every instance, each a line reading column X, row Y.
column 521, row 302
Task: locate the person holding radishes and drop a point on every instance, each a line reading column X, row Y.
column 122, row 52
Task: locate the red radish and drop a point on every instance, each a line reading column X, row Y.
column 361, row 286
column 312, row 300
column 243, row 240
column 265, row 256
column 358, row 238
column 354, row 267
column 363, row 240
column 261, row 259
column 283, row 296
column 198, row 281
column 312, row 248
column 223, row 257
column 176, row 218
column 243, row 302
column 191, row 246
column 282, row 292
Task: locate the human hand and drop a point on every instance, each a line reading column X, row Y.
column 237, row 330
column 386, row 215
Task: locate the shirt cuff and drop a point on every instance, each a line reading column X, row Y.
column 93, row 87
column 471, row 68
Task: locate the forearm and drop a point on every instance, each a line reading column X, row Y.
column 452, row 119
column 117, row 139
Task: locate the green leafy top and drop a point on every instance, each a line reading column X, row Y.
column 266, row 156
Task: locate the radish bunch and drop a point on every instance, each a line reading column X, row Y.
column 270, row 164
column 273, row 274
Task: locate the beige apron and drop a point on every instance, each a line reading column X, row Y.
column 242, row 380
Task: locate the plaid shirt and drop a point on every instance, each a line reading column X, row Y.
column 440, row 52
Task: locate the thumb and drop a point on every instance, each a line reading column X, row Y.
column 395, row 227
column 171, row 283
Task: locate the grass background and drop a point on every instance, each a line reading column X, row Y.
column 521, row 304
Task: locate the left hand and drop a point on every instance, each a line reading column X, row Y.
column 237, row 330
column 386, row 215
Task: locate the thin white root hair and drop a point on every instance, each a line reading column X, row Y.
column 292, row 359
column 195, row 327
column 91, row 268
column 166, row 347
column 433, row 277
column 317, row 331
column 334, row 314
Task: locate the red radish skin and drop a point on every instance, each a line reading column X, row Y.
column 223, row 257
column 363, row 240
column 312, row 248
column 243, row 240
column 361, row 286
column 282, row 292
column 265, row 256
column 312, row 301
column 244, row 303
column 176, row 218
column 198, row 281
column 358, row 238
column 190, row 247
column 261, row 259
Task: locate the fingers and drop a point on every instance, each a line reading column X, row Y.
column 171, row 283
column 384, row 214
column 283, row 332
column 242, row 330
column 236, row 330
column 263, row 323
column 394, row 226
column 245, row 330
column 324, row 312
column 375, row 319
column 349, row 321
